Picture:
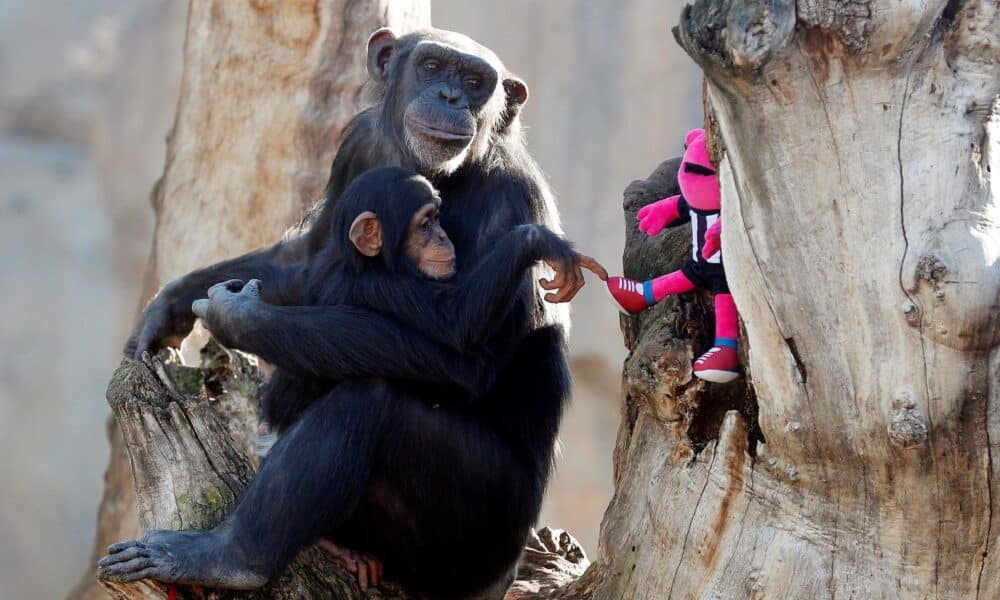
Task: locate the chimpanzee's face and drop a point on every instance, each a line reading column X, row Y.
column 443, row 99
column 450, row 92
column 427, row 245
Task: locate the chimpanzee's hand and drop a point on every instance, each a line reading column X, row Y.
column 228, row 308
column 567, row 263
column 162, row 323
column 569, row 277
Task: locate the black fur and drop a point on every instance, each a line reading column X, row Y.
column 438, row 463
column 410, row 455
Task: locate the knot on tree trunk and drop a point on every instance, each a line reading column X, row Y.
column 191, row 439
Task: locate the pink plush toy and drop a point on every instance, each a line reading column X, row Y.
column 699, row 203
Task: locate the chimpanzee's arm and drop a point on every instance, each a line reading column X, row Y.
column 465, row 314
column 168, row 316
column 337, row 341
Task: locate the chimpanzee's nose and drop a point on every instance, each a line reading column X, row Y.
column 451, row 94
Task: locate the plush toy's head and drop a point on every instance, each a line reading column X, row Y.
column 697, row 178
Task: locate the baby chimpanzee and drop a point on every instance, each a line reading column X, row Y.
column 404, row 471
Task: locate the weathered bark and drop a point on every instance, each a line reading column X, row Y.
column 862, row 239
column 268, row 88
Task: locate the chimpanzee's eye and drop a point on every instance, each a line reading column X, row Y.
column 473, row 82
column 432, row 65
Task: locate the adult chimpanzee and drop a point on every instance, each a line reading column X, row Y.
column 445, row 107
column 384, row 478
column 443, row 111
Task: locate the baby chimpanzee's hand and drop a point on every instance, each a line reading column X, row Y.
column 228, row 309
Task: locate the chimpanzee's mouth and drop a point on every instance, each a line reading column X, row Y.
column 446, row 135
column 442, row 263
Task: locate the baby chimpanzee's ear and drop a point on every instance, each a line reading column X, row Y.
column 366, row 234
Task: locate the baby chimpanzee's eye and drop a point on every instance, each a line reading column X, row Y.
column 432, row 65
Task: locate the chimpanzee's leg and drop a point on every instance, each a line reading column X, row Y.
column 309, row 483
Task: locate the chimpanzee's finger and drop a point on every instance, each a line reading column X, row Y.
column 565, row 291
column 593, row 266
column 148, row 337
column 363, row 576
column 200, row 308
column 337, row 554
column 372, row 572
column 252, row 287
column 123, row 556
column 232, row 285
column 574, row 285
column 119, row 546
column 131, row 566
column 131, row 344
column 559, row 278
column 147, row 573
column 580, row 281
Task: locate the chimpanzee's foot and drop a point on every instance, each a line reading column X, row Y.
column 367, row 568
column 187, row 557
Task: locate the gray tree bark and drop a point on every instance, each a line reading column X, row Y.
column 858, row 142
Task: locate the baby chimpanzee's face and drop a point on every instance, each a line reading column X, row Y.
column 427, row 244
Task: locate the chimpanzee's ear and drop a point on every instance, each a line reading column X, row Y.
column 366, row 234
column 381, row 45
column 516, row 91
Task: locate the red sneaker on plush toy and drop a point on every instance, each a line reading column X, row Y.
column 699, row 203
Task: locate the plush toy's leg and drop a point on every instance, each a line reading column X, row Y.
column 633, row 296
column 721, row 363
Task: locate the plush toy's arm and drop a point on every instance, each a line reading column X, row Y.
column 662, row 213
column 713, row 239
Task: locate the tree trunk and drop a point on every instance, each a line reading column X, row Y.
column 862, row 237
column 268, row 88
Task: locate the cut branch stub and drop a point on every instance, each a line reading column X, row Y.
column 735, row 36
